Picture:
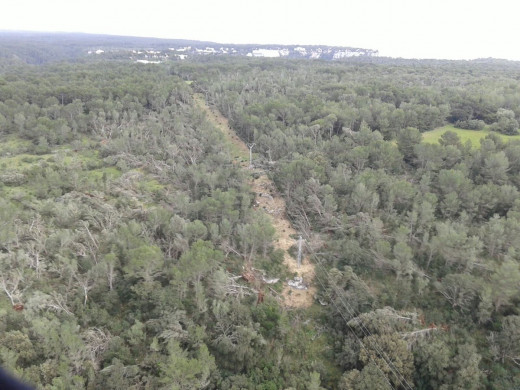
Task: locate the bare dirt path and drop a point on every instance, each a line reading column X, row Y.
column 269, row 200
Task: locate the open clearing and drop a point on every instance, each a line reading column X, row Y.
column 474, row 136
column 269, row 200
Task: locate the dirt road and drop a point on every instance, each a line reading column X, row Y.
column 273, row 204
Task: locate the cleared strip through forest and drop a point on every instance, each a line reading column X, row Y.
column 269, row 200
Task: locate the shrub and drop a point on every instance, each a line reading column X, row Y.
column 471, row 124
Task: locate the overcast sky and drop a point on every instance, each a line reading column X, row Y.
column 453, row 29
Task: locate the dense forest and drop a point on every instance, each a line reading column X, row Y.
column 127, row 225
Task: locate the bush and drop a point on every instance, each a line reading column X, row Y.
column 12, row 178
column 506, row 122
column 471, row 124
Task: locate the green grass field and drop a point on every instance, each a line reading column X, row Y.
column 474, row 136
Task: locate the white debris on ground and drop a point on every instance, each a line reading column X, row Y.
column 270, row 281
column 297, row 283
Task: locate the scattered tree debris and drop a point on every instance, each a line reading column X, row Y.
column 260, row 298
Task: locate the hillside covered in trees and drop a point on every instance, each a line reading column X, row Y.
column 130, row 229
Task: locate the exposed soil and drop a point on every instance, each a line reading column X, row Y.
column 271, row 202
